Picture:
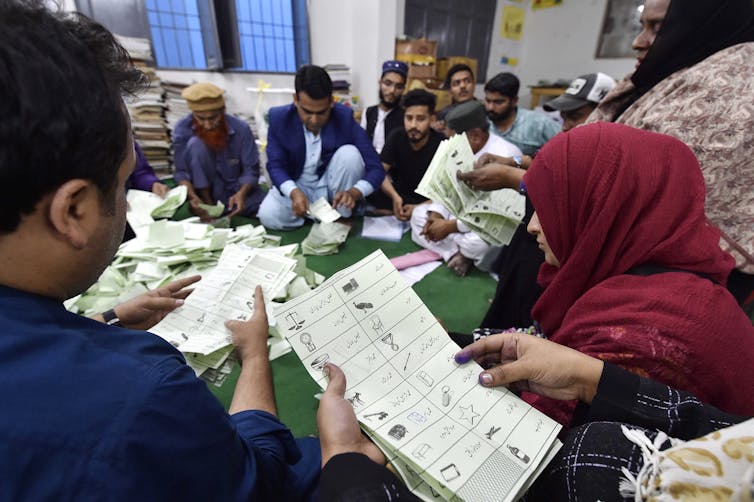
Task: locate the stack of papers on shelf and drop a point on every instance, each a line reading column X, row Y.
column 449, row 437
column 325, row 238
column 493, row 215
column 147, row 110
column 177, row 108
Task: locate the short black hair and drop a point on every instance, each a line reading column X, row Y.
column 62, row 79
column 314, row 81
column 455, row 69
column 506, row 84
column 420, row 97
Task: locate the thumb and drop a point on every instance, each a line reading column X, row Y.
column 336, row 385
column 506, row 373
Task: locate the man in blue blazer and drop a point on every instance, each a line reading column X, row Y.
column 316, row 149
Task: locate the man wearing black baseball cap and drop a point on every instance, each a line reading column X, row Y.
column 581, row 97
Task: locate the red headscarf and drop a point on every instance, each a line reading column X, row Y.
column 609, row 198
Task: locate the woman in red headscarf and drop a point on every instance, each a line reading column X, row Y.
column 634, row 274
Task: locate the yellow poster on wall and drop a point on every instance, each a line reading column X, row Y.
column 512, row 26
column 544, row 4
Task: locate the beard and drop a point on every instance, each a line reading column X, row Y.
column 216, row 139
column 387, row 104
column 499, row 117
column 414, row 136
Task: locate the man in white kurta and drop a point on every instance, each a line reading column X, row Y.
column 432, row 225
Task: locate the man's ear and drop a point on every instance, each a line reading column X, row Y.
column 332, row 101
column 74, row 211
column 514, row 101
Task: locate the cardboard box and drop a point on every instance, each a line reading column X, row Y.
column 421, row 71
column 423, row 83
column 444, row 64
column 431, row 84
column 443, row 98
column 416, row 51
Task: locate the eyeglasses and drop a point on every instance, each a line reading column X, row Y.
column 389, row 83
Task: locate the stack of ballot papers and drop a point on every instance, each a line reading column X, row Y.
column 493, row 215
column 197, row 328
column 448, row 437
column 144, row 207
column 163, row 252
column 322, row 211
column 324, row 238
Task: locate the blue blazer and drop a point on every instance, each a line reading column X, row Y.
column 286, row 147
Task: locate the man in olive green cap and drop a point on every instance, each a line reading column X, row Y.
column 216, row 156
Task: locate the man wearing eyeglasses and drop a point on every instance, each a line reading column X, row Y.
column 216, row 156
column 381, row 119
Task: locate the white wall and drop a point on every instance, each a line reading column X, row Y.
column 358, row 33
column 558, row 43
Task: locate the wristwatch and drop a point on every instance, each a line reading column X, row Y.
column 111, row 318
column 518, row 160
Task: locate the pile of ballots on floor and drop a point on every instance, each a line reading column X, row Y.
column 231, row 262
column 493, row 215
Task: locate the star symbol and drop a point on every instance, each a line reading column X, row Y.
column 468, row 414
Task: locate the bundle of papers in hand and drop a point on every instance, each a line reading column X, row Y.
column 449, row 437
column 166, row 251
column 324, row 238
column 322, row 211
column 493, row 215
column 197, row 328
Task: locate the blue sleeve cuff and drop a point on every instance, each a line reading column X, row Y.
column 287, row 187
column 364, row 187
column 266, row 432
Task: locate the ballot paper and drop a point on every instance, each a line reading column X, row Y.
column 225, row 293
column 324, row 238
column 384, row 228
column 323, row 211
column 445, row 433
column 170, row 204
column 144, row 207
column 215, row 211
column 494, row 215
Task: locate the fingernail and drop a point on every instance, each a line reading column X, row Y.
column 326, row 370
column 485, row 379
column 463, row 357
column 179, row 302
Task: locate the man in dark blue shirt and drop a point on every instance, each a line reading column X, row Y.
column 93, row 411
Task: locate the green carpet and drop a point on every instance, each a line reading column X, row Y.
column 459, row 303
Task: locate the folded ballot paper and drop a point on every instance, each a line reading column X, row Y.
column 449, row 437
column 325, row 238
column 322, row 211
column 493, row 215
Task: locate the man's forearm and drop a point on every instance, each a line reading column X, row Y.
column 388, row 188
column 189, row 187
column 254, row 390
column 245, row 188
